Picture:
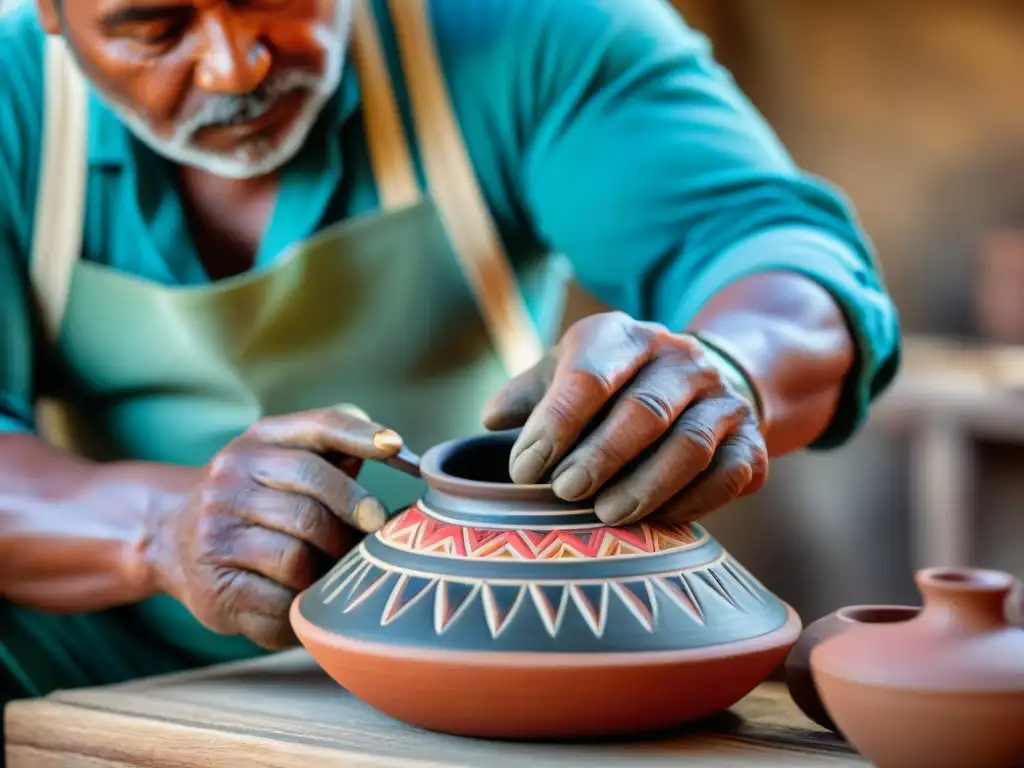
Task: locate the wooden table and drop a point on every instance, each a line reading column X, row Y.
column 283, row 711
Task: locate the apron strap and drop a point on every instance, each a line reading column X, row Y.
column 390, row 159
column 59, row 213
column 60, row 201
column 455, row 189
column 60, row 204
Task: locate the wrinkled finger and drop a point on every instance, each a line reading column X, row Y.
column 272, row 634
column 687, row 450
column 644, row 412
column 739, row 468
column 238, row 596
column 306, row 474
column 259, row 611
column 328, row 430
column 280, row 558
column 512, row 405
column 592, row 368
column 299, row 516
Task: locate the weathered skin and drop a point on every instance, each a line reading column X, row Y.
column 167, row 65
column 235, row 540
column 677, row 438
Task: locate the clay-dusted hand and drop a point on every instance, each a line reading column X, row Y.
column 267, row 516
column 638, row 416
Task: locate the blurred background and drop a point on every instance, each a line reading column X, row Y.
column 915, row 110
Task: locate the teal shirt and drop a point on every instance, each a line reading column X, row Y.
column 600, row 129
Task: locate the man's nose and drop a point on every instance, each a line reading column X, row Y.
column 233, row 61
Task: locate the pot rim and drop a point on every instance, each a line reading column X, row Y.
column 438, row 480
column 955, row 579
column 853, row 614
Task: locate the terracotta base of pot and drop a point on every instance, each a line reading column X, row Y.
column 547, row 696
column 929, row 729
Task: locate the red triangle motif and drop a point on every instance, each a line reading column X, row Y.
column 637, row 536
column 536, row 538
column 412, row 517
column 477, row 537
column 444, row 536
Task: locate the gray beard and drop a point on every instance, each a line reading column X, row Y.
column 254, row 158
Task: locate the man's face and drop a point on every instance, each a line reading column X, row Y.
column 232, row 87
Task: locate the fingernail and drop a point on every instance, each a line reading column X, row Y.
column 616, row 510
column 572, row 484
column 370, row 515
column 529, row 465
column 387, row 440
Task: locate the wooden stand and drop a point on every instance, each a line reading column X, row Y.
column 283, row 711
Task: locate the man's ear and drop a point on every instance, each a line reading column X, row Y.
column 49, row 16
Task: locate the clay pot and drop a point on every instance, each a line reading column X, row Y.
column 798, row 664
column 999, row 286
column 1015, row 606
column 495, row 610
column 943, row 689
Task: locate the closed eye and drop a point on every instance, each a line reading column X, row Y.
column 148, row 24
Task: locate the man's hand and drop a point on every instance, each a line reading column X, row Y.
column 266, row 517
column 636, row 415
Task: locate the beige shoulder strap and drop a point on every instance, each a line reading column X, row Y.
column 61, row 198
column 390, row 159
column 60, row 212
column 455, row 189
column 60, row 201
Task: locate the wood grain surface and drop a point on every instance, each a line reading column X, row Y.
column 282, row 711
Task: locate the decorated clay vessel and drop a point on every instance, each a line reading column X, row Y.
column 943, row 689
column 798, row 663
column 495, row 610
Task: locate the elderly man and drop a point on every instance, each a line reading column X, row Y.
column 220, row 220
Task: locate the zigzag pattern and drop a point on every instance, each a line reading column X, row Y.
column 417, row 531
column 725, row 583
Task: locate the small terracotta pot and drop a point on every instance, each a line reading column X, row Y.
column 943, row 689
column 497, row 610
column 999, row 286
column 798, row 664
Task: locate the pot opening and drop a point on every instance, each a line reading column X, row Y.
column 951, row 577
column 477, row 468
column 879, row 614
column 965, row 579
column 481, row 460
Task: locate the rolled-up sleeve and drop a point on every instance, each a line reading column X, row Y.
column 651, row 171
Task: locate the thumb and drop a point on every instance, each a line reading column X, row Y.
column 512, row 405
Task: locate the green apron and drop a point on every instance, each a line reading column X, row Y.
column 413, row 314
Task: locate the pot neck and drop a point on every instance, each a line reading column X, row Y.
column 966, row 599
column 468, row 483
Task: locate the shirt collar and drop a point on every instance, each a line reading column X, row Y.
column 110, row 142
